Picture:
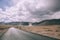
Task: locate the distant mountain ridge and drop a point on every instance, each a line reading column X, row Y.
column 44, row 22
column 48, row 22
column 15, row 23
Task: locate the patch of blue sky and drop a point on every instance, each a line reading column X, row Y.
column 5, row 3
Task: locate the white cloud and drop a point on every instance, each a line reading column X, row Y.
column 56, row 15
column 23, row 10
column 15, row 13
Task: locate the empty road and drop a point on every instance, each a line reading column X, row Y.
column 16, row 34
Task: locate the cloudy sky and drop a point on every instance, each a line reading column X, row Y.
column 29, row 10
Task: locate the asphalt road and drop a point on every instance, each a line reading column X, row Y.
column 16, row 34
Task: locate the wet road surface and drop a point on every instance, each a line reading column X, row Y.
column 16, row 34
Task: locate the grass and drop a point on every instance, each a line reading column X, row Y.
column 50, row 30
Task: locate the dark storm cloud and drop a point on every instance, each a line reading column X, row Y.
column 31, row 10
column 56, row 6
column 44, row 12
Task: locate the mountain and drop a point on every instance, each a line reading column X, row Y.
column 15, row 23
column 48, row 22
column 44, row 22
column 2, row 23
